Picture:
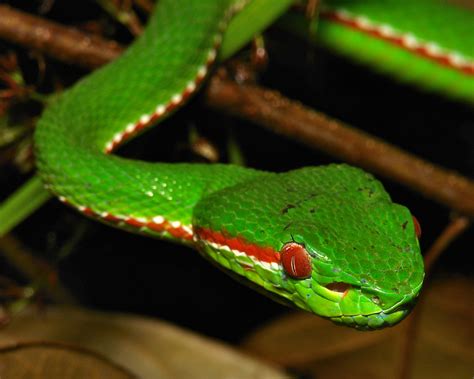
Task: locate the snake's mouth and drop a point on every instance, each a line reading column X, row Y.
column 376, row 320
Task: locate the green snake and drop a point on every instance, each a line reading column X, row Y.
column 326, row 239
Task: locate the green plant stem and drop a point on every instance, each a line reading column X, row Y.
column 21, row 204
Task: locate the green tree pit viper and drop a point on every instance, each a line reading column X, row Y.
column 325, row 239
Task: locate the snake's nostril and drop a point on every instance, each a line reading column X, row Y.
column 376, row 300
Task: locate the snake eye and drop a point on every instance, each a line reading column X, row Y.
column 417, row 227
column 295, row 261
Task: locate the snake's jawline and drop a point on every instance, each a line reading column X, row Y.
column 271, row 295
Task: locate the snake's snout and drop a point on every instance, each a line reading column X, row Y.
column 392, row 315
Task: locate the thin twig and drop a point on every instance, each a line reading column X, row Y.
column 145, row 5
column 312, row 9
column 123, row 14
column 37, row 271
column 407, row 349
column 265, row 107
column 455, row 228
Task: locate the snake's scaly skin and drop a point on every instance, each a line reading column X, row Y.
column 339, row 217
column 425, row 42
column 429, row 43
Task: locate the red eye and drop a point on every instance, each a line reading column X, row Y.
column 417, row 227
column 296, row 261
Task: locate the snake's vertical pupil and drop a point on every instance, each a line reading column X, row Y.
column 417, row 227
column 295, row 261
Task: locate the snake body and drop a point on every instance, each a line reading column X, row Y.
column 325, row 239
column 429, row 43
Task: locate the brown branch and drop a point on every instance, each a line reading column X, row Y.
column 265, row 107
column 455, row 228
column 280, row 114
column 63, row 43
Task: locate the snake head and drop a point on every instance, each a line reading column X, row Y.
column 324, row 239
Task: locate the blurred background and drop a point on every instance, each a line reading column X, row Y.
column 109, row 270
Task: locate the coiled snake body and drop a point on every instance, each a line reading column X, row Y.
column 324, row 239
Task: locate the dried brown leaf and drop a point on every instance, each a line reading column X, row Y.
column 444, row 347
column 42, row 360
column 148, row 348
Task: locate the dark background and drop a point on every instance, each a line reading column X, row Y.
column 109, row 269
